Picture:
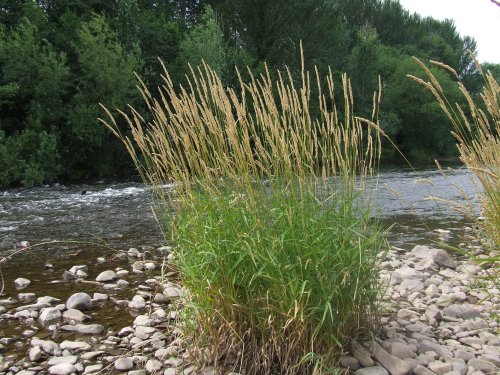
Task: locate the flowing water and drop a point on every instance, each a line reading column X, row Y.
column 72, row 225
column 119, row 213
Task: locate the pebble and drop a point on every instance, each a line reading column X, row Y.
column 374, row 370
column 93, row 368
column 35, row 353
column 106, row 276
column 73, row 315
column 21, row 283
column 123, row 364
column 62, row 369
column 79, row 301
column 153, row 365
column 65, row 359
column 75, row 346
column 49, row 315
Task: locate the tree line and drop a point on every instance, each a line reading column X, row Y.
column 60, row 58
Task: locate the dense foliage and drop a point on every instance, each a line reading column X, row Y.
column 59, row 59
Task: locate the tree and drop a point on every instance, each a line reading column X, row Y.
column 33, row 88
column 105, row 74
column 205, row 41
column 363, row 63
column 422, row 129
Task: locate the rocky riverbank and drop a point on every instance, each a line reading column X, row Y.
column 441, row 316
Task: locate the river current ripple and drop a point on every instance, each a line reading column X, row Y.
column 119, row 213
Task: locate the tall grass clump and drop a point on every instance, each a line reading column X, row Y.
column 272, row 229
column 477, row 131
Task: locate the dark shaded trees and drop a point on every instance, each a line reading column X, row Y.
column 59, row 59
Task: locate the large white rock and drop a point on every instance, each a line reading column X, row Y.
column 49, row 315
column 74, row 345
column 437, row 255
column 79, row 301
column 124, row 364
column 21, row 283
column 62, row 369
column 106, row 276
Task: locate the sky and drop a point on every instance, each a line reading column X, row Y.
column 478, row 18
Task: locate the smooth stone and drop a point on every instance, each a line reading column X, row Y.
column 174, row 371
column 136, row 305
column 346, row 362
column 427, row 346
column 47, row 346
column 361, row 354
column 374, row 370
column 160, row 298
column 73, row 315
column 143, row 320
column 125, row 331
column 491, row 358
column 122, row 283
column 143, row 332
column 394, row 365
column 474, row 342
column 433, row 312
column 21, row 283
column 153, row 365
column 440, row 368
column 172, row 292
column 75, row 269
column 466, row 355
column 48, row 300
column 137, row 372
column 26, row 296
column 79, row 301
column 92, row 369
column 100, row 297
column 49, row 315
column 407, row 273
column 123, row 364
column 74, row 345
column 149, row 266
column 65, row 359
column 439, row 256
column 62, row 369
column 91, row 355
column 421, row 370
column 35, row 354
column 413, row 285
column 464, row 311
column 401, row 350
column 106, row 276
column 480, row 365
column 122, row 273
column 89, row 329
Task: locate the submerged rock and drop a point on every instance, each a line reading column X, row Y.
column 21, row 283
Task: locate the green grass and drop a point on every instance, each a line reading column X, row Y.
column 278, row 275
column 270, row 224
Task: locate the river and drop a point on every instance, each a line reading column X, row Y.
column 76, row 224
column 119, row 213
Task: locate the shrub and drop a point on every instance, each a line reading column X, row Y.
column 269, row 218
